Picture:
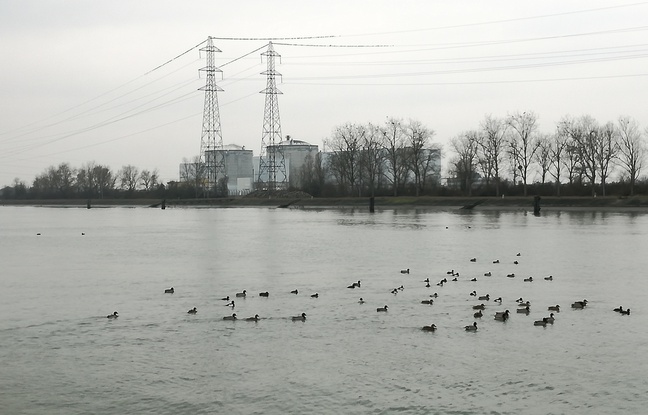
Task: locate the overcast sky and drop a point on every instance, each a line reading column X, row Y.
column 116, row 82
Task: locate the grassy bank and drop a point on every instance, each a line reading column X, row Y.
column 478, row 203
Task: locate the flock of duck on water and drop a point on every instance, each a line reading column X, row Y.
column 524, row 307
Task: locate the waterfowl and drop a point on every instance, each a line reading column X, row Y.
column 302, row 317
column 498, row 300
column 316, row 295
column 524, row 304
column 255, row 318
column 542, row 322
column 474, row 293
column 294, row 292
column 478, row 314
column 232, row 317
column 454, row 279
column 242, row 294
column 496, row 261
column 225, row 298
column 474, row 279
column 430, row 302
column 519, row 300
column 549, row 278
column 625, row 312
column 431, row 327
column 435, row 295
column 473, row 259
column 518, row 254
column 579, row 304
column 451, row 272
column 169, row 291
column 524, row 310
column 361, row 301
column 193, row 311
column 510, row 275
column 394, row 291
column 484, row 297
column 352, row 285
column 502, row 315
column 618, row 310
column 401, row 288
column 530, row 279
column 554, row 308
column 265, row 294
column 427, row 285
column 550, row 319
column 113, row 315
column 230, row 304
column 487, row 274
column 405, row 271
column 515, row 262
column 479, row 307
column 379, row 309
column 357, row 284
column 471, row 328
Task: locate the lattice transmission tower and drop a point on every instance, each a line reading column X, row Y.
column 272, row 165
column 212, row 157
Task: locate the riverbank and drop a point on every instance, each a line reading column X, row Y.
column 639, row 203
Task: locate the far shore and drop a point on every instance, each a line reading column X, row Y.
column 547, row 203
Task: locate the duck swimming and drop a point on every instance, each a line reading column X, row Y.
column 478, row 314
column 405, row 271
column 431, row 327
column 361, row 301
column 484, row 297
column 255, row 318
column 113, row 315
column 169, row 291
column 502, row 315
column 232, row 317
column 193, row 311
column 379, row 309
column 264, row 294
column 242, row 294
column 471, row 328
column 294, row 292
column 554, row 308
column 302, row 317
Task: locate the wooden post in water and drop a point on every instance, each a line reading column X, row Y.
column 88, row 204
column 371, row 204
column 163, row 204
column 536, row 205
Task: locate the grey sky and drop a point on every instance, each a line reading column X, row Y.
column 76, row 86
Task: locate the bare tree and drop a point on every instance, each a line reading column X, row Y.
column 396, row 156
column 557, row 152
column 632, row 149
column 346, row 144
column 543, row 155
column 149, row 179
column 371, row 157
column 492, row 145
column 464, row 166
column 523, row 144
column 129, row 177
column 192, row 172
column 606, row 152
column 421, row 156
column 585, row 135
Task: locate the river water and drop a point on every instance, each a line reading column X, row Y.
column 59, row 354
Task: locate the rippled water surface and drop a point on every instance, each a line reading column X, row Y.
column 59, row 354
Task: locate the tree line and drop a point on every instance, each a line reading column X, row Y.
column 579, row 156
column 503, row 155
